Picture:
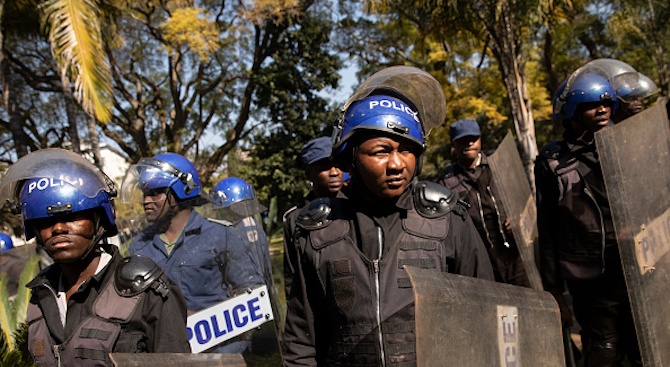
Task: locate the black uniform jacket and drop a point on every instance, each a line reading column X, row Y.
column 350, row 278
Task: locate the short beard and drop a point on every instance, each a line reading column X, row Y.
column 160, row 225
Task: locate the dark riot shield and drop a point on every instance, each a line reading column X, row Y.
column 464, row 321
column 518, row 201
column 635, row 158
column 176, row 360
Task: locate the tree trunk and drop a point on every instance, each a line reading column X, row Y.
column 512, row 65
column 9, row 99
column 92, row 125
column 71, row 111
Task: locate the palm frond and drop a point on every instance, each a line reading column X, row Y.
column 23, row 295
column 73, row 28
column 7, row 316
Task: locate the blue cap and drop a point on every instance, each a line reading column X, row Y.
column 316, row 150
column 463, row 128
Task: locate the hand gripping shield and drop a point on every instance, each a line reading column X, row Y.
column 637, row 180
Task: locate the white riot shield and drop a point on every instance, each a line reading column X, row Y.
column 464, row 321
column 518, row 201
column 635, row 158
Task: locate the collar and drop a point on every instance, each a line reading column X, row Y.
column 403, row 202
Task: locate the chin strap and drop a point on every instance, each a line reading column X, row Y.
column 96, row 239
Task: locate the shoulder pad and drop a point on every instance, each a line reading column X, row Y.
column 433, row 200
column 552, row 150
column 137, row 273
column 315, row 215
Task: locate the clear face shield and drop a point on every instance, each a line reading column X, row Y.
column 146, row 180
column 234, row 208
column 633, row 88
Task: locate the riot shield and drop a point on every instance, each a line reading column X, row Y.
column 517, row 199
column 464, row 321
column 635, row 159
column 176, row 360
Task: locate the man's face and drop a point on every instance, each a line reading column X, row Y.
column 593, row 116
column 386, row 165
column 66, row 237
column 156, row 204
column 468, row 147
column 325, row 176
column 632, row 108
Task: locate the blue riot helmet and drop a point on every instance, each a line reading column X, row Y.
column 50, row 182
column 381, row 113
column 164, row 171
column 401, row 100
column 235, row 199
column 557, row 102
column 6, row 242
column 583, row 88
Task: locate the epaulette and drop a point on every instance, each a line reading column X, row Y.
column 315, row 215
column 220, row 221
column 433, row 200
column 137, row 273
column 288, row 212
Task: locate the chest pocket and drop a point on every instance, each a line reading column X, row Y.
column 199, row 270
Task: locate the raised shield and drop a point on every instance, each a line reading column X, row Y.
column 464, row 321
column 518, row 201
column 635, row 159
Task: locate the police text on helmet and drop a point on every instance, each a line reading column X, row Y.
column 385, row 103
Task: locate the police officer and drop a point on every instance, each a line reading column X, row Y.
column 631, row 97
column 352, row 302
column 91, row 301
column 205, row 258
column 577, row 243
column 327, row 180
column 235, row 201
column 472, row 180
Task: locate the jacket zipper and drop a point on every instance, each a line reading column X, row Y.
column 602, row 227
column 378, row 306
column 57, row 354
column 500, row 225
column 481, row 215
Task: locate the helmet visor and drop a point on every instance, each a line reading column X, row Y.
column 149, row 177
column 417, row 86
column 54, row 164
column 237, row 210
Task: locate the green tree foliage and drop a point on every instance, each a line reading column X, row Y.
column 642, row 35
column 13, row 312
column 300, row 66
